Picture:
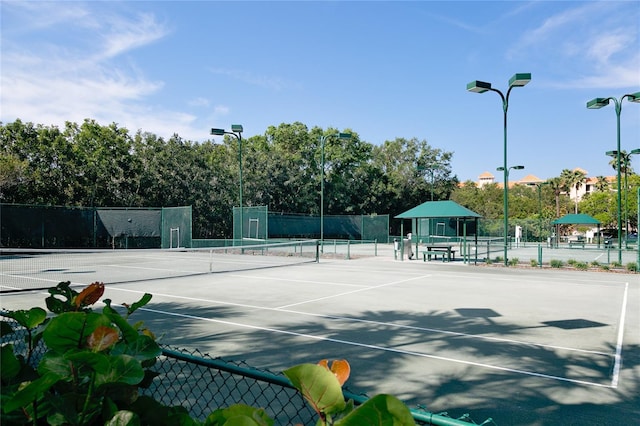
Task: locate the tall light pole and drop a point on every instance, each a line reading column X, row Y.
column 539, row 186
column 625, row 160
column 236, row 131
column 598, row 103
column 506, row 180
column 518, row 80
column 323, row 139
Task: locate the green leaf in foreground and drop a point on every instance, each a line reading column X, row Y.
column 382, row 410
column 28, row 319
column 71, row 329
column 124, row 418
column 31, row 392
column 319, row 386
column 9, row 363
column 239, row 415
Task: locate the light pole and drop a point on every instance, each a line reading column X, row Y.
column 625, row 159
column 539, row 186
column 236, row 131
column 518, row 80
column 598, row 103
column 323, row 139
column 506, row 184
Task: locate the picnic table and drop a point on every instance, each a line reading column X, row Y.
column 446, row 251
column 573, row 243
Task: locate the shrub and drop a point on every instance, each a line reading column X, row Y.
column 93, row 365
column 555, row 263
column 499, row 259
column 571, row 262
column 533, row 263
column 632, row 267
column 513, row 261
column 595, row 263
column 488, row 261
column 581, row 266
column 605, row 267
column 615, row 264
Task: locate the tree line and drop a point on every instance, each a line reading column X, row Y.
column 89, row 164
column 96, row 165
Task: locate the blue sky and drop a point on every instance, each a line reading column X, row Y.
column 382, row 69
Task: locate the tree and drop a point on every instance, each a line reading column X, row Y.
column 402, row 164
column 602, row 184
column 89, row 164
column 12, row 171
column 573, row 179
column 625, row 162
column 601, row 205
column 558, row 186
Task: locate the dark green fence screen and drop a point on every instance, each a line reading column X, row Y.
column 32, row 226
column 259, row 223
column 176, row 227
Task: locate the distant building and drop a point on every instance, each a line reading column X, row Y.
column 487, row 178
column 588, row 186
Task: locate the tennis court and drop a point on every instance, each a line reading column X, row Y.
column 523, row 346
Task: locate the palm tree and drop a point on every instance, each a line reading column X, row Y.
column 573, row 179
column 625, row 162
column 558, row 186
column 602, row 184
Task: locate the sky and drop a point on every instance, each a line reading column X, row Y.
column 384, row 70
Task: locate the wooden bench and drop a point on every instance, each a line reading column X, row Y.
column 576, row 243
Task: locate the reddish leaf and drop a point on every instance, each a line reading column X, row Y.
column 340, row 368
column 102, row 338
column 90, row 294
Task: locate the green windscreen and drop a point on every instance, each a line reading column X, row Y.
column 254, row 223
column 339, row 227
column 33, row 226
column 176, row 227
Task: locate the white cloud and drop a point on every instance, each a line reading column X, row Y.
column 49, row 83
column 220, row 110
column 273, row 83
column 199, row 102
column 125, row 35
column 599, row 41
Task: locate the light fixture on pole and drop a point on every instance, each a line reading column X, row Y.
column 323, row 139
column 518, row 80
column 236, row 131
column 598, row 103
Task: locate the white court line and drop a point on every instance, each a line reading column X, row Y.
column 381, row 348
column 394, row 325
column 390, row 324
column 618, row 357
column 253, row 277
column 354, row 291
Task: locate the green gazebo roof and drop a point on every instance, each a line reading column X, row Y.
column 437, row 209
column 576, row 219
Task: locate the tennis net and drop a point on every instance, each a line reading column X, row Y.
column 32, row 269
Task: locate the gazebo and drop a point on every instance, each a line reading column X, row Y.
column 576, row 219
column 439, row 218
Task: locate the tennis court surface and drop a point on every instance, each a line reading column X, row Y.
column 523, row 346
